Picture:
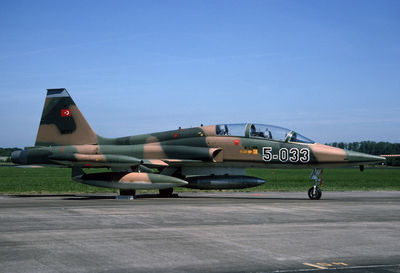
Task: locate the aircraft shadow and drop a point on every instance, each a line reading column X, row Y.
column 39, row 195
column 157, row 196
column 138, row 196
column 152, row 196
column 243, row 198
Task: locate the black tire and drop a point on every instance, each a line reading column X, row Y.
column 166, row 192
column 127, row 192
column 314, row 195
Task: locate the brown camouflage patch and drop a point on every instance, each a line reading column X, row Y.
column 157, row 162
column 49, row 133
column 209, row 130
column 88, row 149
column 153, row 151
column 90, row 158
column 324, row 153
column 135, row 177
column 233, row 149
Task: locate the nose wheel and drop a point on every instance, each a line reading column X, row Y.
column 314, row 193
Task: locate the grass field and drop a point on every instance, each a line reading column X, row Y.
column 55, row 180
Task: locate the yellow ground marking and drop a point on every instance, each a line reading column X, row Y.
column 314, row 265
column 325, row 265
column 340, row 264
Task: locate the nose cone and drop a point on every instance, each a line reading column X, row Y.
column 356, row 157
column 258, row 182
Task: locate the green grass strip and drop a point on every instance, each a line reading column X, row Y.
column 58, row 180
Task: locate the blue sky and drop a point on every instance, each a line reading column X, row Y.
column 327, row 69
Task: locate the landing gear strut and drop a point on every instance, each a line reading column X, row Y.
column 127, row 192
column 314, row 193
column 166, row 192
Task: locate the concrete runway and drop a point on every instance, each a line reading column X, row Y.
column 202, row 232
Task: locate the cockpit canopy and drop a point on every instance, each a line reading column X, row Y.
column 262, row 131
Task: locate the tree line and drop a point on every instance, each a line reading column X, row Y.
column 5, row 154
column 7, row 151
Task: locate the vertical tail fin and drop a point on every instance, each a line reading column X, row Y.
column 62, row 123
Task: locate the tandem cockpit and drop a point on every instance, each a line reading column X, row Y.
column 262, row 131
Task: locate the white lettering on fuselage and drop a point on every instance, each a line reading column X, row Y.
column 293, row 155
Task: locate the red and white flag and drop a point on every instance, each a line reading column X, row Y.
column 65, row 113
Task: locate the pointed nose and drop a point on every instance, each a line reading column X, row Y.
column 356, row 157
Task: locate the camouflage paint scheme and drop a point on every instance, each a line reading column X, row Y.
column 192, row 157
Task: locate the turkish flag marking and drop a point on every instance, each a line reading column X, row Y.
column 65, row 113
column 236, row 141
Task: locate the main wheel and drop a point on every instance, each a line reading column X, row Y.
column 314, row 193
column 127, row 192
column 166, row 192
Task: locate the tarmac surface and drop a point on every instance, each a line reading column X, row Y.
column 202, row 232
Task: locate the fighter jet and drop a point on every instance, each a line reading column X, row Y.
column 204, row 157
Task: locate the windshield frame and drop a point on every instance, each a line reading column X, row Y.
column 261, row 131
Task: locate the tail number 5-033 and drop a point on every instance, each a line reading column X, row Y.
column 293, row 155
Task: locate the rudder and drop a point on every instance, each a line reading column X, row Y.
column 62, row 123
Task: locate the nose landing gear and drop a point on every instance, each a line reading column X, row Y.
column 314, row 193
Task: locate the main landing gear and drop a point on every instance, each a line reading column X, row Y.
column 314, row 193
column 127, row 192
column 162, row 192
column 166, row 192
